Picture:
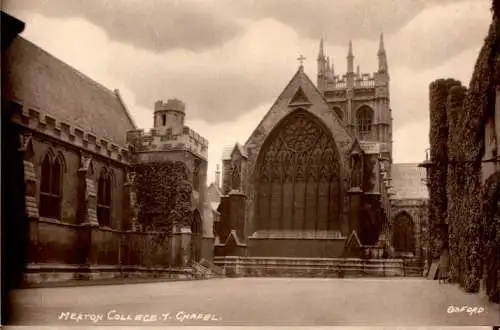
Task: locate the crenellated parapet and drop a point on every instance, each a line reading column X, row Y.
column 38, row 121
column 164, row 140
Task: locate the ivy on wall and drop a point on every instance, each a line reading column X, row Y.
column 163, row 195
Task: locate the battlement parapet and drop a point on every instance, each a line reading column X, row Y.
column 163, row 140
column 170, row 105
column 39, row 121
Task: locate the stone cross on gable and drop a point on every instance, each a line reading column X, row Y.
column 301, row 59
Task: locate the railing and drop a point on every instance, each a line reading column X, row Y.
column 364, row 83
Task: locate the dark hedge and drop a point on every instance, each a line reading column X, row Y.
column 472, row 208
column 438, row 138
column 455, row 182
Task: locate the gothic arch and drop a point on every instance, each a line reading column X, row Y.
column 403, row 233
column 51, row 185
column 364, row 120
column 298, row 176
column 60, row 157
column 104, row 197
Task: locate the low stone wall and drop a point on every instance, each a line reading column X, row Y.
column 309, row 267
column 58, row 273
column 61, row 252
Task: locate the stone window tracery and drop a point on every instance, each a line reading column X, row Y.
column 104, row 198
column 298, row 179
column 365, row 121
column 50, row 186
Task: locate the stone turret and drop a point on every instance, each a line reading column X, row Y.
column 169, row 115
column 169, row 133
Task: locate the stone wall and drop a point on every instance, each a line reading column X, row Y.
column 76, row 252
column 304, row 267
column 70, row 156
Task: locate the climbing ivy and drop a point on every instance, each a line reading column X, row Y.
column 163, row 195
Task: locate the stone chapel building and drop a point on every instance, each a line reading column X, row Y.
column 71, row 153
column 317, row 173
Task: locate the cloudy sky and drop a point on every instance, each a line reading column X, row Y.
column 229, row 59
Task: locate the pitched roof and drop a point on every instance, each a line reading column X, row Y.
column 40, row 80
column 407, row 182
column 228, row 151
column 301, row 81
column 214, row 193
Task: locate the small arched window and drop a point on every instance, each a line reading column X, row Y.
column 50, row 187
column 365, row 121
column 104, row 198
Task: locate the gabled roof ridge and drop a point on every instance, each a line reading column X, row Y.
column 301, row 72
column 127, row 112
column 340, row 121
column 274, row 103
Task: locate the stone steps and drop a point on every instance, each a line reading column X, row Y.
column 321, row 267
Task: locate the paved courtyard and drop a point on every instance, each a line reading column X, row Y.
column 257, row 301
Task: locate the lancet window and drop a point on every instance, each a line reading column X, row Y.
column 50, row 186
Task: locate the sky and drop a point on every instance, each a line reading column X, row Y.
column 228, row 60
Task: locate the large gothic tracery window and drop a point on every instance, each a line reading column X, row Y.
column 365, row 120
column 298, row 178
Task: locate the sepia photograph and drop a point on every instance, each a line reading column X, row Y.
column 250, row 163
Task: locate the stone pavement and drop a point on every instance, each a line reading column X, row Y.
column 257, row 301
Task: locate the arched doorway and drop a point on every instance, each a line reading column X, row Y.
column 403, row 234
column 196, row 236
column 369, row 226
column 298, row 177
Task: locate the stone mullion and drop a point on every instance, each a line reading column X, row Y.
column 270, row 198
column 304, row 211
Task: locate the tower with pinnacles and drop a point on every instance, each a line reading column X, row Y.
column 360, row 100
